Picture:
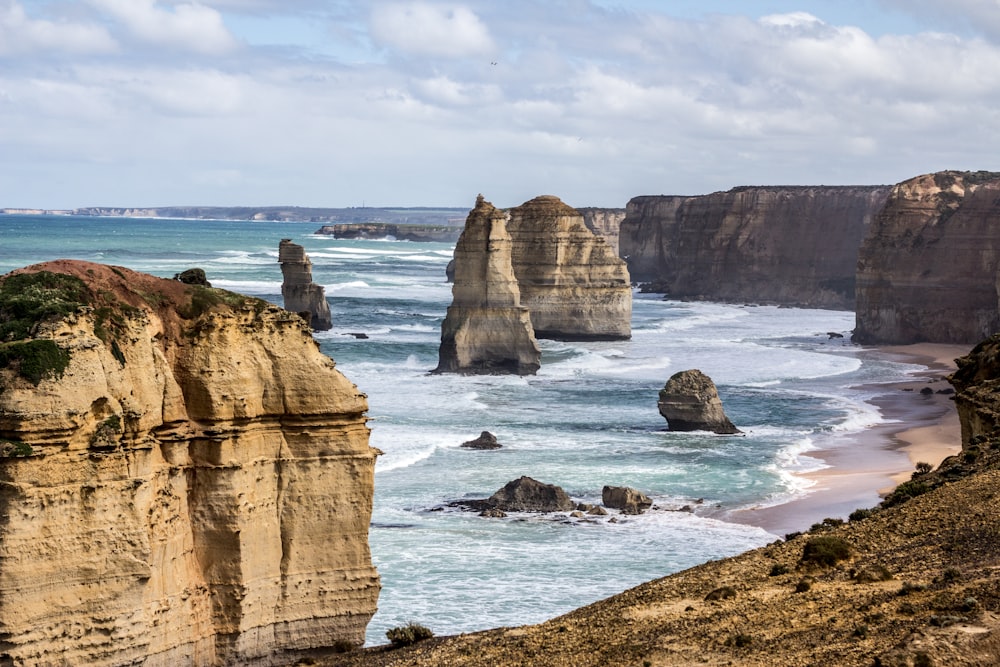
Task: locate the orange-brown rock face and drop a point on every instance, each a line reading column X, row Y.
column 487, row 329
column 605, row 222
column 928, row 269
column 194, row 488
column 571, row 280
column 787, row 245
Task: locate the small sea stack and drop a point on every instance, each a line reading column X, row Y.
column 300, row 293
column 690, row 402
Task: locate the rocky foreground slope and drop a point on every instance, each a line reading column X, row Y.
column 794, row 245
column 930, row 266
column 185, row 479
column 913, row 582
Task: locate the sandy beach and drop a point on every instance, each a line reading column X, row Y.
column 921, row 427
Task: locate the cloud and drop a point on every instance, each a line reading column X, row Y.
column 191, row 27
column 979, row 16
column 20, row 34
column 420, row 28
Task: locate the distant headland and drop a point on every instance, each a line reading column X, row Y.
column 422, row 215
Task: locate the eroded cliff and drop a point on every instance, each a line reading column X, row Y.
column 928, row 269
column 188, row 480
column 486, row 329
column 570, row 279
column 298, row 291
column 795, row 245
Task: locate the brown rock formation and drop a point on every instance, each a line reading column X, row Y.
column 529, row 495
column 928, row 269
column 605, row 222
column 977, row 387
column 192, row 486
column 571, row 280
column 626, row 499
column 788, row 245
column 486, row 329
column 299, row 292
column 690, row 402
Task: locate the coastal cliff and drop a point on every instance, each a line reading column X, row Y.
column 794, row 245
column 486, row 328
column 929, row 268
column 185, row 480
column 605, row 222
column 570, row 279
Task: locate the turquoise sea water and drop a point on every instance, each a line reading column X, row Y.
column 588, row 419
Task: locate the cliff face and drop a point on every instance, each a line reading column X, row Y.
column 486, row 329
column 928, row 269
column 788, row 245
column 298, row 291
column 571, row 280
column 192, row 486
column 605, row 222
column 977, row 387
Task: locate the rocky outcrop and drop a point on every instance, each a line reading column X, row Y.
column 929, row 268
column 570, row 279
column 299, row 292
column 191, row 480
column 486, row 329
column 529, row 495
column 626, row 499
column 690, row 402
column 486, row 440
column 193, row 277
column 381, row 230
column 605, row 222
column 793, row 245
column 977, row 391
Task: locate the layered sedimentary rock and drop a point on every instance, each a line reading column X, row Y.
column 786, row 245
column 486, row 329
column 605, row 222
column 689, row 401
column 570, row 279
column 928, row 269
column 977, row 387
column 529, row 495
column 626, row 499
column 191, row 481
column 381, row 230
column 299, row 292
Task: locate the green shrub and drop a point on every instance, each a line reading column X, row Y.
column 859, row 514
column 411, row 633
column 34, row 359
column 14, row 449
column 29, row 298
column 825, row 550
column 804, row 585
column 778, row 569
column 922, row 468
column 905, row 491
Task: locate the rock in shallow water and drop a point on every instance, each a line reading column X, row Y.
column 690, row 402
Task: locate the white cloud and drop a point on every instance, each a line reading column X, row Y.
column 421, row 28
column 189, row 26
column 20, row 34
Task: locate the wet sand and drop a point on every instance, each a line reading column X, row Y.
column 921, row 428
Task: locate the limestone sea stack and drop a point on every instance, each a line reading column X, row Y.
column 486, row 329
column 188, row 479
column 299, row 292
column 571, row 280
column 690, row 402
column 929, row 269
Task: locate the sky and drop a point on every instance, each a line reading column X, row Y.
column 429, row 103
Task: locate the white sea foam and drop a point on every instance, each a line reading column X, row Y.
column 248, row 286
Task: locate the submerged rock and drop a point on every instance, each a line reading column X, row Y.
column 299, row 292
column 486, row 329
column 486, row 440
column 626, row 499
column 690, row 402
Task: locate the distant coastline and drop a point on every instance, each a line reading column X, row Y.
column 417, row 215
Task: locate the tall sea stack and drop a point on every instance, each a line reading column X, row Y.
column 186, row 479
column 571, row 280
column 299, row 292
column 486, row 329
column 929, row 269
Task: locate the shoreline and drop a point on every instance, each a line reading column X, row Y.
column 864, row 466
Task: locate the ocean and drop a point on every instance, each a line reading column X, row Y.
column 586, row 420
